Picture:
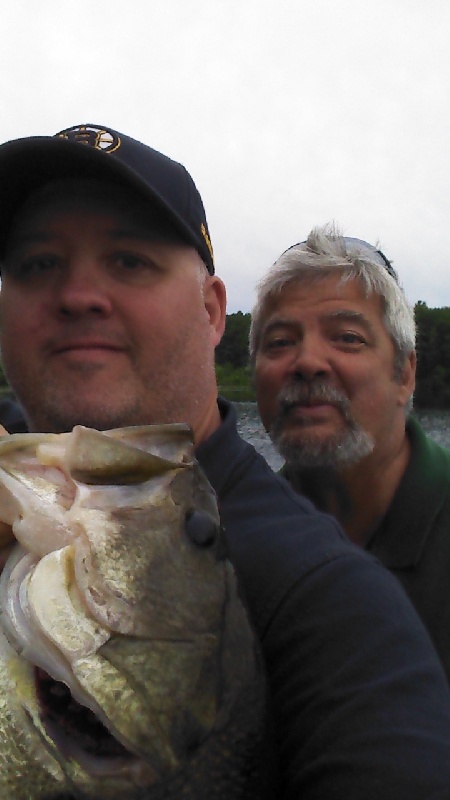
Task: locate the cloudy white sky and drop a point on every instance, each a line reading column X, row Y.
column 287, row 113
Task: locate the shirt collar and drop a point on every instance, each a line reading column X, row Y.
column 400, row 538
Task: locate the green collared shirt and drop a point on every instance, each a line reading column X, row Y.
column 413, row 539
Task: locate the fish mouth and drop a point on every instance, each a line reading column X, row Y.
column 74, row 728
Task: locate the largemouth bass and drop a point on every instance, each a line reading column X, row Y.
column 128, row 667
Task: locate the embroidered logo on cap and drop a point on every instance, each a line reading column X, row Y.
column 99, row 138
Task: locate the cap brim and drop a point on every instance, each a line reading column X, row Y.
column 27, row 164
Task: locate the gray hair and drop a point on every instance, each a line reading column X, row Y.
column 325, row 252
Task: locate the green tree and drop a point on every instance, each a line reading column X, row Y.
column 233, row 349
column 433, row 357
column 232, row 369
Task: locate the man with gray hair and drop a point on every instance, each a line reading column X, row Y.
column 332, row 344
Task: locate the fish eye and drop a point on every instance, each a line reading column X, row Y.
column 201, row 528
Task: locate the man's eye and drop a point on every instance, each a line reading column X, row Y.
column 131, row 262
column 135, row 269
column 30, row 267
column 350, row 337
column 279, row 343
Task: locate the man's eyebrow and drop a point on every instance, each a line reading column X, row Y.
column 22, row 239
column 157, row 232
column 145, row 234
column 30, row 237
column 346, row 315
column 349, row 314
column 279, row 322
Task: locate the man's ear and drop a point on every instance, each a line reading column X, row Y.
column 407, row 378
column 215, row 297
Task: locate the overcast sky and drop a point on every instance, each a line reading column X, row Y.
column 287, row 113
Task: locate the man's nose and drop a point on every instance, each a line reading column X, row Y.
column 310, row 359
column 82, row 290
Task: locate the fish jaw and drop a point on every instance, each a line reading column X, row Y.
column 38, row 763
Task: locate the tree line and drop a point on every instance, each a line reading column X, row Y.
column 433, row 357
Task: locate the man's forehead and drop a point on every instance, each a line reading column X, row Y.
column 314, row 290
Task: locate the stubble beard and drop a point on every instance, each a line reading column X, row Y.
column 58, row 407
column 170, row 391
column 302, row 449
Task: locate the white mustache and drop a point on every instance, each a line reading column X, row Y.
column 310, row 393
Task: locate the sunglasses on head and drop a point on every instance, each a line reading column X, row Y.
column 352, row 243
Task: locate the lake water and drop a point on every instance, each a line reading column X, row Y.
column 435, row 423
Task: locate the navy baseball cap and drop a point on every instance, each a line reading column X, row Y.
column 95, row 151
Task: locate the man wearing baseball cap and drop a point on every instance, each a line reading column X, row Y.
column 110, row 314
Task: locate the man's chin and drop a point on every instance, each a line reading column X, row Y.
column 309, row 438
column 62, row 417
column 305, row 453
column 339, row 451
